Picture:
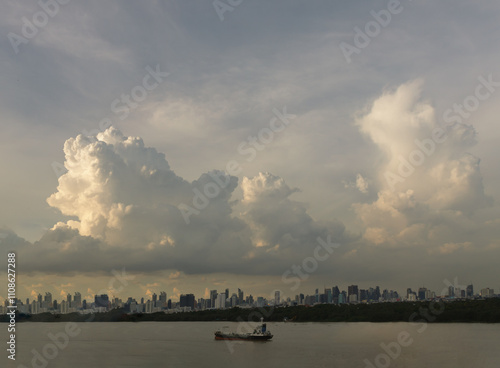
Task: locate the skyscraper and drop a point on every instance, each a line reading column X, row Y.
column 277, row 297
column 101, row 300
column 241, row 298
column 163, row 299
column 187, row 300
column 47, row 302
column 77, row 300
column 470, row 291
column 352, row 293
column 213, row 297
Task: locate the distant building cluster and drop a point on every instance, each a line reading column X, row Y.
column 187, row 302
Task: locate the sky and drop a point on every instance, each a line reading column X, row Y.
column 288, row 145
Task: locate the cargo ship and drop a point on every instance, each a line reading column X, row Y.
column 259, row 334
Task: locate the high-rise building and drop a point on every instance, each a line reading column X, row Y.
column 155, row 298
column 329, row 296
column 35, row 305
column 487, row 293
column 77, row 300
column 352, row 293
column 163, row 299
column 63, row 307
column 213, row 297
column 101, row 300
column 277, row 297
column 187, row 300
column 451, row 291
column 241, row 299
column 47, row 301
column 68, row 298
column 149, row 307
column 363, row 294
column 422, row 293
column 220, row 301
column 470, row 291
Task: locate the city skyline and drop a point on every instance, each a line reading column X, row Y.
column 207, row 294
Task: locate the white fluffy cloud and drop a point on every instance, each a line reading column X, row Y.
column 123, row 203
column 428, row 182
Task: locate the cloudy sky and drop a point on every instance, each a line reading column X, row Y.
column 212, row 145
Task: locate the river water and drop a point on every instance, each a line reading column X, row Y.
column 191, row 344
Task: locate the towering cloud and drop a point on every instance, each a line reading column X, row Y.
column 428, row 183
column 124, row 204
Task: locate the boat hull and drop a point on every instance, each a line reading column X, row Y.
column 243, row 337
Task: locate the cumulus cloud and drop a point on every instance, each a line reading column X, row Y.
column 428, row 184
column 123, row 205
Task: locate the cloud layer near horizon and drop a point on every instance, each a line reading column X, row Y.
column 122, row 201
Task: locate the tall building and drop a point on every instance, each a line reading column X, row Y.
column 47, row 301
column 241, row 298
column 422, row 293
column 155, row 298
column 68, row 298
column 329, row 296
column 352, row 293
column 187, row 300
column 213, row 297
column 487, row 293
column 101, row 300
column 77, row 300
column 220, row 301
column 149, row 307
column 451, row 291
column 277, row 297
column 470, row 291
column 35, row 305
column 163, row 299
